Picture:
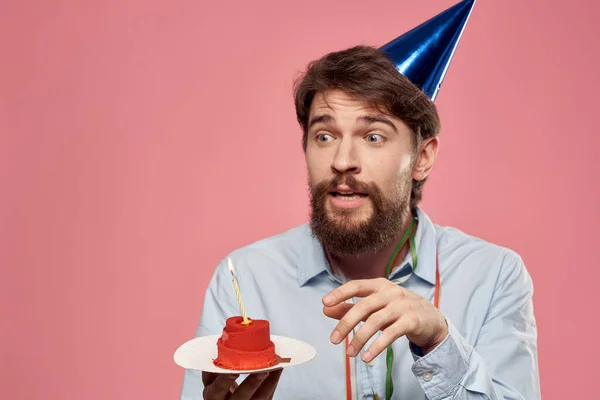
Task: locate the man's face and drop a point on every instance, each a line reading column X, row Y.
column 360, row 174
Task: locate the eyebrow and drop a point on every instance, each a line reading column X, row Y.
column 324, row 118
column 371, row 119
column 364, row 119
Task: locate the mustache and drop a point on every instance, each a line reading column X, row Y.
column 350, row 181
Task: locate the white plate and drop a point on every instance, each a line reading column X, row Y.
column 199, row 353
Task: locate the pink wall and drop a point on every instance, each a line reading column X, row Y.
column 134, row 138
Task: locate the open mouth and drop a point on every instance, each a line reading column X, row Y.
column 348, row 195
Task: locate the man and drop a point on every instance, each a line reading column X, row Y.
column 370, row 140
column 396, row 306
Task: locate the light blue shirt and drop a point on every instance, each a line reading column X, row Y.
column 486, row 297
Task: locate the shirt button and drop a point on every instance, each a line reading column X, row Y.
column 427, row 376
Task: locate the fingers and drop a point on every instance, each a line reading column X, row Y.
column 387, row 337
column 209, row 377
column 356, row 288
column 359, row 312
column 250, row 385
column 376, row 322
column 217, row 386
column 259, row 386
column 267, row 388
column 337, row 311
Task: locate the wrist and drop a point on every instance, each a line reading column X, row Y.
column 439, row 338
column 429, row 349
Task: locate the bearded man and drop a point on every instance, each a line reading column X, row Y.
column 395, row 305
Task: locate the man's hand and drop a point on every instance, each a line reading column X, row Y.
column 255, row 387
column 387, row 307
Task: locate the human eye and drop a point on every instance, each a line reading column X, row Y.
column 323, row 137
column 375, row 138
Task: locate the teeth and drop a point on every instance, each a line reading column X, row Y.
column 347, row 197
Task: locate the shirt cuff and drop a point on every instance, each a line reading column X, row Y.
column 441, row 370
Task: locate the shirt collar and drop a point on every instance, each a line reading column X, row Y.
column 425, row 242
column 312, row 260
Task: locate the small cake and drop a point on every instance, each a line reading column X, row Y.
column 245, row 346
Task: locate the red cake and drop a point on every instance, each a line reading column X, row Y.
column 245, row 347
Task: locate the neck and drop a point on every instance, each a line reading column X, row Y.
column 370, row 266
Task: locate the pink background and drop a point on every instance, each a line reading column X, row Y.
column 134, row 147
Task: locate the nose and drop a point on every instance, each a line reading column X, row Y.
column 346, row 158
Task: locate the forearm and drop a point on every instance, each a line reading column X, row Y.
column 455, row 370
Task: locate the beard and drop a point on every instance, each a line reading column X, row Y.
column 339, row 230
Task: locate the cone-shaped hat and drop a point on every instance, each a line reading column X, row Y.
column 424, row 53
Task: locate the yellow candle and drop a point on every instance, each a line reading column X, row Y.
column 246, row 321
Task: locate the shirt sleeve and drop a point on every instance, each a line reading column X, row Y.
column 219, row 303
column 503, row 362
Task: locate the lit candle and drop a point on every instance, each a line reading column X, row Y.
column 246, row 321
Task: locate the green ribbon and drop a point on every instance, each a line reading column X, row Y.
column 410, row 236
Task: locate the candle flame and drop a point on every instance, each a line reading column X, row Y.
column 230, row 266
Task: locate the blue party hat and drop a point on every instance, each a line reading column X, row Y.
column 423, row 54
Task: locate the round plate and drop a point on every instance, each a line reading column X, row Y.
column 199, row 353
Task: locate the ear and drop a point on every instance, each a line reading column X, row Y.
column 426, row 155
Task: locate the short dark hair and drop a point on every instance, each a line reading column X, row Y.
column 368, row 74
